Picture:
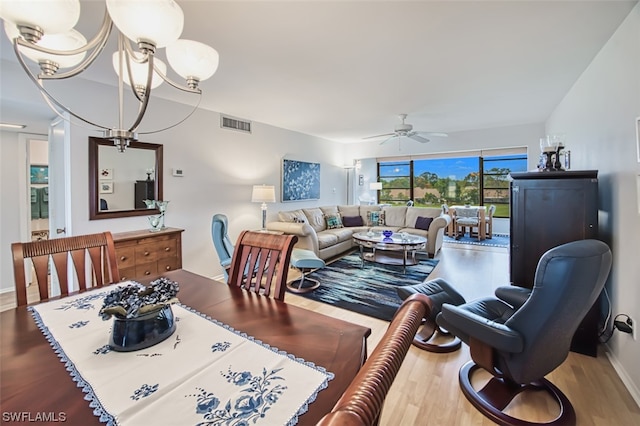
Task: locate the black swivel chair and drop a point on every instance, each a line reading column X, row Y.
column 521, row 336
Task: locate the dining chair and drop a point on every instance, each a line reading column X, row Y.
column 489, row 221
column 52, row 257
column 361, row 403
column 267, row 255
column 221, row 241
column 466, row 217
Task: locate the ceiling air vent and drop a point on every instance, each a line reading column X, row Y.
column 227, row 122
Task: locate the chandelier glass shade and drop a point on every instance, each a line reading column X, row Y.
column 42, row 32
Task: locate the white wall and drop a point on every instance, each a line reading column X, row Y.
column 599, row 113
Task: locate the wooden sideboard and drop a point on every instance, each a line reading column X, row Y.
column 142, row 253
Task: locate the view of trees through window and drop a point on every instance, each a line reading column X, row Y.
column 453, row 181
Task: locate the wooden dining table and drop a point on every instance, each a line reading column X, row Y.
column 482, row 213
column 34, row 383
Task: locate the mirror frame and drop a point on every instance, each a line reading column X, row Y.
column 94, row 199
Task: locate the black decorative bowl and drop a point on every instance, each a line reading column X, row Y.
column 143, row 331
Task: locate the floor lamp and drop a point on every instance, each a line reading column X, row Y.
column 376, row 186
column 263, row 194
column 348, row 169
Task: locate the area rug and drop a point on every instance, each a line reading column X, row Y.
column 369, row 290
column 497, row 240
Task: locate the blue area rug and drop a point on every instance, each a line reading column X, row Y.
column 370, row 290
column 498, row 240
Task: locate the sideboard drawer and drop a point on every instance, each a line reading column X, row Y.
column 126, row 257
column 143, row 253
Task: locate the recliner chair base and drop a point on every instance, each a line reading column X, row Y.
column 496, row 395
column 427, row 333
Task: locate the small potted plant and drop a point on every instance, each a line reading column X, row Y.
column 142, row 316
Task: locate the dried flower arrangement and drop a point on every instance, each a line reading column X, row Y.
column 135, row 299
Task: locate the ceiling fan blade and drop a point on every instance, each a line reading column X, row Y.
column 379, row 136
column 388, row 139
column 436, row 134
column 418, row 138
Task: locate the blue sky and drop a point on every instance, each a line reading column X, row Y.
column 455, row 168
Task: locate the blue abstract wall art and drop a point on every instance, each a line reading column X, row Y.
column 300, row 180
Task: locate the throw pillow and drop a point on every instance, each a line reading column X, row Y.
column 423, row 222
column 352, row 221
column 375, row 218
column 334, row 221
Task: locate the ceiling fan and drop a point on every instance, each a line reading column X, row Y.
column 406, row 130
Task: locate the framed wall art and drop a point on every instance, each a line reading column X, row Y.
column 300, row 180
column 638, row 137
column 106, row 187
column 39, row 174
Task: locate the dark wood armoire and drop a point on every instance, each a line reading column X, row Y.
column 549, row 209
column 144, row 190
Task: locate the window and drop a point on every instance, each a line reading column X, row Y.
column 454, row 179
column 396, row 182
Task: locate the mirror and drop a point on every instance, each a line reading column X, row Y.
column 120, row 181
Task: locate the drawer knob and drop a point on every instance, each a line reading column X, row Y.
column 147, row 272
column 168, row 268
column 123, row 258
column 167, row 249
column 146, row 253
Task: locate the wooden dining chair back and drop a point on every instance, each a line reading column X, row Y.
column 102, row 264
column 260, row 263
column 467, row 217
column 361, row 403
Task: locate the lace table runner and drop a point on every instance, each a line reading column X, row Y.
column 206, row 373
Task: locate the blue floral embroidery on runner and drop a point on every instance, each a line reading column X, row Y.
column 220, row 346
column 83, row 303
column 144, row 391
column 257, row 399
column 78, row 324
column 102, row 350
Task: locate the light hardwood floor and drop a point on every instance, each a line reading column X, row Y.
column 426, row 390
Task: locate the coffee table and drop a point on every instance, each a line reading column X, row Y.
column 383, row 246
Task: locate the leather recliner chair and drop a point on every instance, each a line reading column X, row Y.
column 520, row 336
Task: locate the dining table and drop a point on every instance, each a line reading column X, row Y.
column 482, row 213
column 35, row 384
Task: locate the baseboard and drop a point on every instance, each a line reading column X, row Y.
column 622, row 373
column 220, row 278
column 7, row 290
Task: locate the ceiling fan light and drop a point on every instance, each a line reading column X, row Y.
column 70, row 40
column 52, row 17
column 192, row 59
column 158, row 22
column 139, row 71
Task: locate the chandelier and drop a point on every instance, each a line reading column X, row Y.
column 43, row 32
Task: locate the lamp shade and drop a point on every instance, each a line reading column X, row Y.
column 159, row 22
column 139, row 71
column 69, row 40
column 192, row 59
column 263, row 194
column 53, row 16
column 375, row 186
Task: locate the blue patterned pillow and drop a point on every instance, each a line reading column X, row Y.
column 375, row 218
column 334, row 221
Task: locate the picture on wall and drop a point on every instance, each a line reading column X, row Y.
column 106, row 174
column 39, row 174
column 106, row 187
column 300, row 180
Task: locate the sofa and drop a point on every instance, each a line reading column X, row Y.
column 328, row 231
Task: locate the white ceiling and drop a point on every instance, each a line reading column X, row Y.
column 344, row 70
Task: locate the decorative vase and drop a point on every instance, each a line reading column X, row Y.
column 387, row 233
column 143, row 331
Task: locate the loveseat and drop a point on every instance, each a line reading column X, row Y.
column 328, row 231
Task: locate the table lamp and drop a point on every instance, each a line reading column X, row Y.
column 263, row 194
column 375, row 186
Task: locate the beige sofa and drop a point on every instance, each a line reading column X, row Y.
column 317, row 231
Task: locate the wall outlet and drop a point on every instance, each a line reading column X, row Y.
column 178, row 172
